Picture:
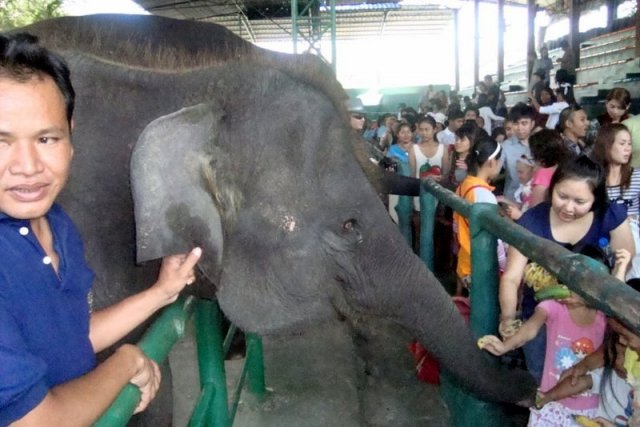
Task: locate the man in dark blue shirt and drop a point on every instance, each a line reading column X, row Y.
column 48, row 336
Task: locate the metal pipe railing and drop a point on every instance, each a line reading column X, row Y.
column 212, row 407
column 156, row 344
column 581, row 274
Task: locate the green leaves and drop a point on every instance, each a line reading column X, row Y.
column 17, row 13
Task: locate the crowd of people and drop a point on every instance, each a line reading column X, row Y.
column 563, row 176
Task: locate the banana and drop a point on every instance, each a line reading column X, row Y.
column 585, row 421
column 552, row 292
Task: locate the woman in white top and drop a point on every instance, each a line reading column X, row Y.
column 487, row 114
column 428, row 158
column 564, row 97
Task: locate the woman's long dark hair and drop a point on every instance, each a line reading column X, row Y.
column 602, row 151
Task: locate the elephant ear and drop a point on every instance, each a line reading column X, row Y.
column 172, row 187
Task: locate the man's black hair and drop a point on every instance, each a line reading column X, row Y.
column 22, row 58
column 455, row 114
column 522, row 111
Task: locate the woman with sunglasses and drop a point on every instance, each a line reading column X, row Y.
column 613, row 149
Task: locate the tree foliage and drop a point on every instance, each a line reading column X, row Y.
column 17, row 13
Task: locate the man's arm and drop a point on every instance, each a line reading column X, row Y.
column 112, row 323
column 80, row 402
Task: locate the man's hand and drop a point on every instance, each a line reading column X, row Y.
column 147, row 379
column 176, row 272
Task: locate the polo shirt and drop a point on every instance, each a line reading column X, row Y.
column 44, row 316
column 512, row 150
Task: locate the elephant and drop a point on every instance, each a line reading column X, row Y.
column 187, row 135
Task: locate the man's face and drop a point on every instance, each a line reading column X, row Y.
column 522, row 128
column 357, row 121
column 470, row 115
column 455, row 124
column 35, row 146
column 508, row 128
column 578, row 124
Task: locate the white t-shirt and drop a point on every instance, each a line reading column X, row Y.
column 553, row 111
column 421, row 159
column 487, row 114
column 616, row 402
column 446, row 137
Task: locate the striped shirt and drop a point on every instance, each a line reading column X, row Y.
column 630, row 197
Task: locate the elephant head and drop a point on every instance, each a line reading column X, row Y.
column 293, row 229
column 249, row 154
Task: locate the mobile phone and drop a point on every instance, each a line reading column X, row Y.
column 503, row 205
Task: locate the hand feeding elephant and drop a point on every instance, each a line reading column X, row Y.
column 245, row 153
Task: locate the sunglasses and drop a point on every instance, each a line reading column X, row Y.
column 357, row 116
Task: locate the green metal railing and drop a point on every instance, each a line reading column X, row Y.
column 212, row 408
column 585, row 276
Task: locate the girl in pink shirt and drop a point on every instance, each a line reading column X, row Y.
column 548, row 151
column 574, row 330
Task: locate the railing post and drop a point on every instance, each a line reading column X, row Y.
column 428, row 207
column 255, row 370
column 156, row 344
column 484, row 320
column 213, row 405
column 484, row 272
column 404, row 208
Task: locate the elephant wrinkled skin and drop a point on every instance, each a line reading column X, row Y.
column 246, row 153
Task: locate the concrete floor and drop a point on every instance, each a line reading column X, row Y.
column 324, row 377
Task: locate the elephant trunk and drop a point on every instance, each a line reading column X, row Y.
column 428, row 311
column 409, row 294
column 383, row 181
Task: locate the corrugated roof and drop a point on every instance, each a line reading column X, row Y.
column 270, row 20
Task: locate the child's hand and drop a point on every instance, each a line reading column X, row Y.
column 623, row 258
column 626, row 338
column 574, row 372
column 509, row 327
column 461, row 164
column 492, row 344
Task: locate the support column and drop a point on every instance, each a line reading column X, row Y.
column 531, row 41
column 334, row 45
column 574, row 29
column 476, row 42
column 294, row 24
column 501, row 28
column 456, row 49
column 611, row 13
column 637, row 29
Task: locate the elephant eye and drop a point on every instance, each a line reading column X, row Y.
column 349, row 224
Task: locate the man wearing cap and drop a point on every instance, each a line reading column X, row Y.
column 356, row 114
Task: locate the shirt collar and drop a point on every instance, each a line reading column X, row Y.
column 4, row 218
